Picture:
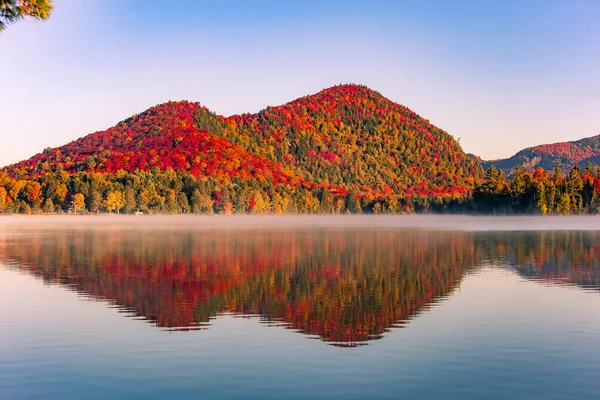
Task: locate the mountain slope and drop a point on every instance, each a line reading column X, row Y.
column 555, row 155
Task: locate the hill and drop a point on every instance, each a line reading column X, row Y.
column 344, row 149
column 164, row 137
column 350, row 135
column 550, row 156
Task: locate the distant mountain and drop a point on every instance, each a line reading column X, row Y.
column 345, row 138
column 550, row 156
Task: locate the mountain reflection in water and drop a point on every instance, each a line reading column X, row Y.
column 344, row 286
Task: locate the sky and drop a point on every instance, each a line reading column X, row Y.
column 501, row 76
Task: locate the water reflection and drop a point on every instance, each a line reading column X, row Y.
column 344, row 287
column 554, row 257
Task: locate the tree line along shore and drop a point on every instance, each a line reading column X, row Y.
column 168, row 192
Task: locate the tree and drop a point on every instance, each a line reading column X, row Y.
column 564, row 205
column 95, row 201
column 228, row 208
column 261, row 204
column 552, row 195
column 56, row 190
column 242, row 203
column 352, row 202
column 78, row 202
column 32, row 194
column 171, row 205
column 391, row 205
column 143, row 200
column 2, row 198
column 589, row 169
column 377, row 208
column 542, row 200
column 48, row 206
column 325, row 201
column 130, row 203
column 14, row 10
column 557, row 174
column 114, row 201
column 574, row 181
column 182, row 202
column 493, row 180
column 201, row 203
column 279, row 204
column 574, row 187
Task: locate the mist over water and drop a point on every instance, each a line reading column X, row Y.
column 455, row 222
column 299, row 306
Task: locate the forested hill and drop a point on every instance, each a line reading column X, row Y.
column 344, row 149
column 350, row 135
column 561, row 155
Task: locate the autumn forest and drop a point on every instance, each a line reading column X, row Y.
column 346, row 149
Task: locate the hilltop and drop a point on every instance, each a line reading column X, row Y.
column 350, row 135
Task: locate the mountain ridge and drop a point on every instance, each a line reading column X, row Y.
column 549, row 156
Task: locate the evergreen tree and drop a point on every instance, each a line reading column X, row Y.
column 542, row 200
column 564, row 205
column 574, row 181
column 48, row 206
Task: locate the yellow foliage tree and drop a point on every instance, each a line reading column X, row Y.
column 78, row 202
column 2, row 198
column 114, row 201
column 261, row 204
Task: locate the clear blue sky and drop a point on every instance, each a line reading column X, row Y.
column 499, row 75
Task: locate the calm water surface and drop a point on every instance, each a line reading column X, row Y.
column 332, row 308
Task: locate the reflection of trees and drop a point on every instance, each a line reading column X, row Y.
column 345, row 287
column 352, row 287
column 567, row 257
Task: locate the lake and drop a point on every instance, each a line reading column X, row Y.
column 357, row 307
